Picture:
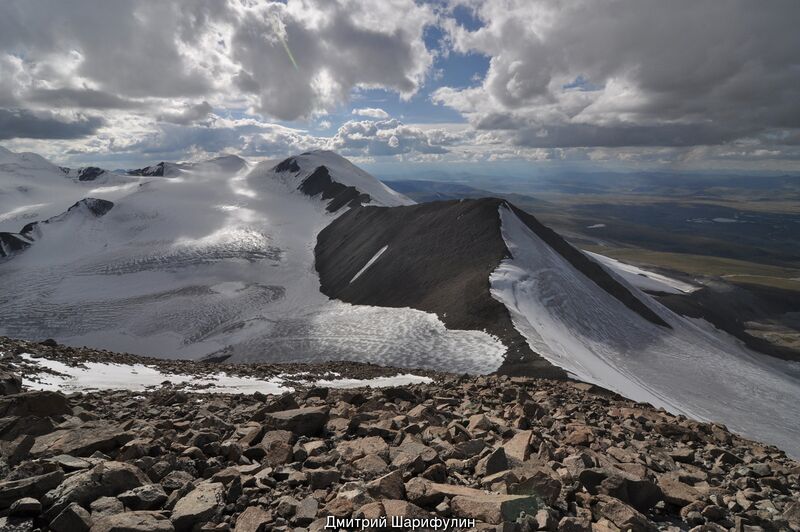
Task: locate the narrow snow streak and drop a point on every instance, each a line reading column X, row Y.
column 644, row 279
column 693, row 369
column 370, row 262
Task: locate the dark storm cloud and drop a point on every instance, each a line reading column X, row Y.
column 23, row 123
column 81, row 98
column 584, row 135
column 679, row 73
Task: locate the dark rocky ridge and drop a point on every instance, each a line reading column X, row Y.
column 320, row 183
column 157, row 170
column 439, row 259
column 11, row 243
column 339, row 195
column 90, row 173
column 572, row 456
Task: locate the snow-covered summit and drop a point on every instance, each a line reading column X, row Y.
column 305, row 168
column 225, row 164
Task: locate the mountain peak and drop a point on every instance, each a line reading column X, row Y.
column 332, row 177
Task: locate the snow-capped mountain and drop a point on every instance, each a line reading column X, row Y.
column 33, row 189
column 216, row 258
column 312, row 259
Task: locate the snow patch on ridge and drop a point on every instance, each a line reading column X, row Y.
column 644, row 279
column 90, row 376
column 138, row 377
column 692, row 369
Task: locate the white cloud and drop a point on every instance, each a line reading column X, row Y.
column 371, row 112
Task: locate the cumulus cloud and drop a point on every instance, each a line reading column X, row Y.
column 307, row 55
column 390, row 137
column 371, row 112
column 630, row 79
column 288, row 60
column 189, row 115
column 630, row 72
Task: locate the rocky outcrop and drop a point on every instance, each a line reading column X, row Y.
column 512, row 454
column 10, row 383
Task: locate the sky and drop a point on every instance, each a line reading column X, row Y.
column 613, row 84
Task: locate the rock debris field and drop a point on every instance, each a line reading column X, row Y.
column 485, row 453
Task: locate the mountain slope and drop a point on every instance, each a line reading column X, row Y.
column 485, row 264
column 33, row 189
column 222, row 260
column 216, row 259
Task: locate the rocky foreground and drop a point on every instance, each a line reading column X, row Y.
column 468, row 453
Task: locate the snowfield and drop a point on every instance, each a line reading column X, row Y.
column 57, row 376
column 218, row 255
column 692, row 369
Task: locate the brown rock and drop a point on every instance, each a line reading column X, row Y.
column 278, row 453
column 492, row 463
column 25, row 507
column 574, row 524
column 355, row 449
column 676, row 492
column 10, row 383
column 38, row 403
column 389, row 486
column 300, row 421
column 73, row 518
column 426, row 493
column 253, row 519
column 541, row 484
column 372, row 464
column 622, row 515
column 339, row 507
column 198, row 506
column 518, row 447
column 322, row 478
column 36, row 487
column 104, row 480
column 85, row 440
column 494, row 508
column 394, row 508
column 133, row 522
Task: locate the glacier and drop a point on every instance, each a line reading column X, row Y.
column 692, row 368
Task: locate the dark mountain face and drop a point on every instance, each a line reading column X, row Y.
column 157, row 170
column 90, row 173
column 287, row 165
column 320, row 182
column 11, row 243
column 438, row 258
